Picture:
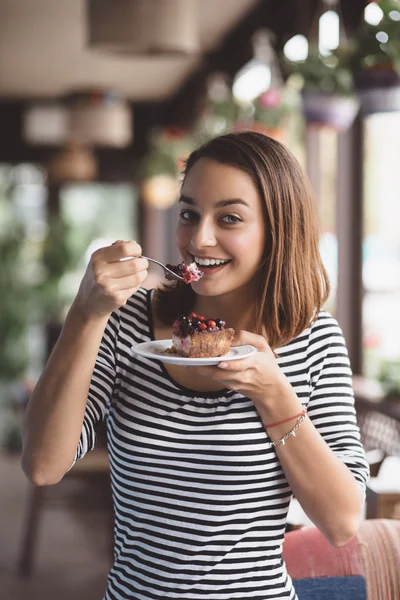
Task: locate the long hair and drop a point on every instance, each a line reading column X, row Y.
column 291, row 280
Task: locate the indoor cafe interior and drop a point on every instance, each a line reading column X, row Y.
column 101, row 103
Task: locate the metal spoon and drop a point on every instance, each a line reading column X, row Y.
column 171, row 274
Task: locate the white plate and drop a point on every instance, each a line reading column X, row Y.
column 156, row 350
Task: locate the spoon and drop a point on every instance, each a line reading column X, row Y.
column 171, row 274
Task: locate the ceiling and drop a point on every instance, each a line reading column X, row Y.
column 43, row 51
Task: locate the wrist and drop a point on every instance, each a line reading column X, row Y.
column 279, row 403
column 78, row 316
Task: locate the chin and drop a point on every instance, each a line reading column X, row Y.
column 205, row 289
column 211, row 288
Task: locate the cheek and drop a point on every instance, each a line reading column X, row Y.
column 250, row 246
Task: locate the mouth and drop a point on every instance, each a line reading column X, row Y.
column 210, row 265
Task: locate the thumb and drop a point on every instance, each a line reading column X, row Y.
column 243, row 337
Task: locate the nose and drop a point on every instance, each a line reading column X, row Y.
column 203, row 235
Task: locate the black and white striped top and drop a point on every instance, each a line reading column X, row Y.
column 200, row 499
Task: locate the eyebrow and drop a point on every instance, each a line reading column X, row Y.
column 219, row 204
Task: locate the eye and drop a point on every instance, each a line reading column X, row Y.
column 231, row 219
column 187, row 215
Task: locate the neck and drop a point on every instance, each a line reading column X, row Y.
column 236, row 309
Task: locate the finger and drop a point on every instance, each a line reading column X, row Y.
column 117, row 251
column 127, row 250
column 243, row 337
column 236, row 365
column 228, row 380
column 129, row 282
column 123, row 268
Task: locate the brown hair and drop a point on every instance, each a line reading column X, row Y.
column 292, row 281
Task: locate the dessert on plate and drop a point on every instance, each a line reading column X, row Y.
column 188, row 272
column 197, row 337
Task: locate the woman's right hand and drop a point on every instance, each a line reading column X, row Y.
column 109, row 282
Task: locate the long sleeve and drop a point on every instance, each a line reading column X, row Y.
column 331, row 404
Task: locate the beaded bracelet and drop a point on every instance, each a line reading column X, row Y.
column 290, row 433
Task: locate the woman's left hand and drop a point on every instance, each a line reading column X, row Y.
column 256, row 377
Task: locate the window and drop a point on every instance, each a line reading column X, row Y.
column 97, row 214
column 381, row 245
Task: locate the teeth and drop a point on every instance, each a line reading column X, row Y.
column 206, row 262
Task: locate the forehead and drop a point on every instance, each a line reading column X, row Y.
column 211, row 180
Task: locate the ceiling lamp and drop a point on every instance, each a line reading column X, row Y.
column 45, row 124
column 74, row 162
column 99, row 118
column 143, row 26
column 94, row 117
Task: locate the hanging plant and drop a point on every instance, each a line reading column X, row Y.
column 266, row 114
column 327, row 89
column 377, row 47
column 373, row 57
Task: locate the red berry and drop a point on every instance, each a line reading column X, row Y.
column 193, row 315
column 203, row 326
column 201, row 317
column 212, row 324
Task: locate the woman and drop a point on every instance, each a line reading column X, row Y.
column 201, row 476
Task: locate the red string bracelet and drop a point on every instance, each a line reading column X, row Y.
column 303, row 412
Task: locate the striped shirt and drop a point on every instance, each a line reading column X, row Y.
column 200, row 498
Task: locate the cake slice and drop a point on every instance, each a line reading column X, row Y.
column 198, row 337
column 188, row 272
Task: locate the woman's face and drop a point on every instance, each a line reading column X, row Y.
column 221, row 226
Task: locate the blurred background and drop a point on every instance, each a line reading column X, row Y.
column 100, row 103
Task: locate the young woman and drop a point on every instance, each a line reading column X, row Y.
column 201, row 477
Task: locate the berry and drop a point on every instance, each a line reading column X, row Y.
column 212, row 324
column 203, row 326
